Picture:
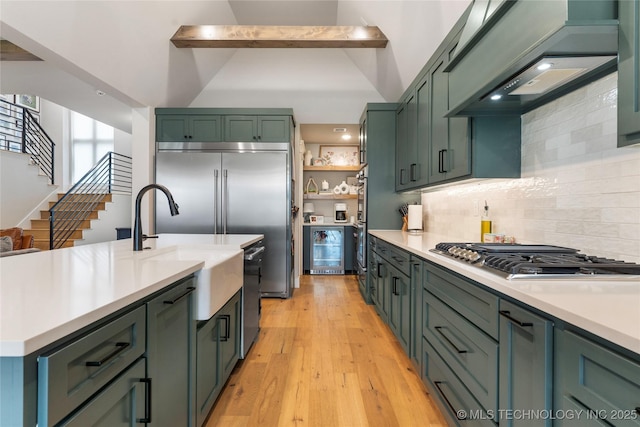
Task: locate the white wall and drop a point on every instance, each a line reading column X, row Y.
column 577, row 189
column 20, row 195
column 117, row 214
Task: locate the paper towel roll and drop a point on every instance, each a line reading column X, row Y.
column 414, row 222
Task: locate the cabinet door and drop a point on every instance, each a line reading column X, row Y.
column 449, row 137
column 602, row 382
column 205, row 128
column 274, row 128
column 240, row 128
column 415, row 323
column 419, row 173
column 628, row 72
column 122, row 404
column 402, row 147
column 172, row 128
column 229, row 320
column 306, row 251
column 208, row 375
column 525, row 364
column 169, row 338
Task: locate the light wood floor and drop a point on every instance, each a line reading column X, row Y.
column 324, row 358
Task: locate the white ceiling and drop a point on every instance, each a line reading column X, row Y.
column 123, row 49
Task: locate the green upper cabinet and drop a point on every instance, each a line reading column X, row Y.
column 406, row 142
column 257, row 128
column 188, row 128
column 629, row 73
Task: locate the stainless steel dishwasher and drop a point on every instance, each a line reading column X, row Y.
column 251, row 294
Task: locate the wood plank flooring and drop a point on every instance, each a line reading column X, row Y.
column 324, row 358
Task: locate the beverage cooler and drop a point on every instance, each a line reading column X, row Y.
column 327, row 250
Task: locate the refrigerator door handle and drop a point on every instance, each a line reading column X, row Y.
column 215, row 201
column 224, row 201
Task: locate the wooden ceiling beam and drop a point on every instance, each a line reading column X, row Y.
column 275, row 36
column 12, row 52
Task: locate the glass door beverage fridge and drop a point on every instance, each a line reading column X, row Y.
column 327, row 250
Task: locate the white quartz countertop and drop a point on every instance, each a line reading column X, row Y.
column 45, row 296
column 607, row 308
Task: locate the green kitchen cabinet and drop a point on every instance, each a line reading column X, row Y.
column 71, row 374
column 595, row 381
column 170, row 350
column 628, row 72
column 407, row 144
column 400, row 306
column 122, row 404
column 449, row 137
column 415, row 323
column 217, row 352
column 242, row 128
column 188, row 128
column 526, row 364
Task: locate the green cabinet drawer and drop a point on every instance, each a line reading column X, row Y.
column 477, row 305
column 471, row 354
column 456, row 402
column 601, row 380
column 124, row 403
column 400, row 259
column 68, row 376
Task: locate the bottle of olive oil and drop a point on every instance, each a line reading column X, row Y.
column 485, row 222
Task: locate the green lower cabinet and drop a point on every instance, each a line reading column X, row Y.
column 415, row 323
column 217, row 352
column 170, row 339
column 122, row 404
column 526, row 367
column 400, row 306
column 594, row 384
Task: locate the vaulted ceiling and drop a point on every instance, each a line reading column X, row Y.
column 122, row 48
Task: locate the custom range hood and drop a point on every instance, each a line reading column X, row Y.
column 515, row 55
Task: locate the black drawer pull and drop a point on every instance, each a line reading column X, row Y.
column 147, row 401
column 444, row 396
column 398, row 259
column 412, row 172
column 187, row 292
column 120, row 346
column 438, row 328
column 394, row 290
column 227, row 327
column 507, row 314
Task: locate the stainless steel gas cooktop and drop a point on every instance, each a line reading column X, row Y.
column 516, row 261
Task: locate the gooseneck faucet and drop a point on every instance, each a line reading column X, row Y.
column 138, row 237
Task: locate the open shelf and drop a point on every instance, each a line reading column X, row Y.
column 332, row 168
column 330, row 196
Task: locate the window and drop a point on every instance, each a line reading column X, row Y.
column 90, row 140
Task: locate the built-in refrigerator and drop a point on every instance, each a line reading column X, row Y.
column 235, row 188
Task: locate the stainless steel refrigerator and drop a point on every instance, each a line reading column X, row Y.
column 242, row 189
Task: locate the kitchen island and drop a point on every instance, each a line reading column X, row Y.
column 49, row 298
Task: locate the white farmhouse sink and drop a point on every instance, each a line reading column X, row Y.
column 220, row 277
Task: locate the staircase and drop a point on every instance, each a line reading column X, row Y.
column 40, row 228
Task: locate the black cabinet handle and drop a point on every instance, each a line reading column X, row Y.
column 394, row 290
column 444, row 396
column 227, row 331
column 147, row 401
column 412, row 172
column 398, row 260
column 378, row 269
column 507, row 314
column 441, row 161
column 190, row 136
column 186, row 137
column 120, row 346
column 439, row 329
column 187, row 292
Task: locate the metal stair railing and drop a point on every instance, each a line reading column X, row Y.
column 112, row 174
column 20, row 132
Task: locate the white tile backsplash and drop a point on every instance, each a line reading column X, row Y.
column 577, row 188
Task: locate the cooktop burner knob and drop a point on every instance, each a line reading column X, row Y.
column 474, row 257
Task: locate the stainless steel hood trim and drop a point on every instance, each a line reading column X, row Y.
column 223, row 146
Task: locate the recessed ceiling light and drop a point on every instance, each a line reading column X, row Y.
column 100, row 93
column 544, row 66
column 495, row 97
column 346, row 137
